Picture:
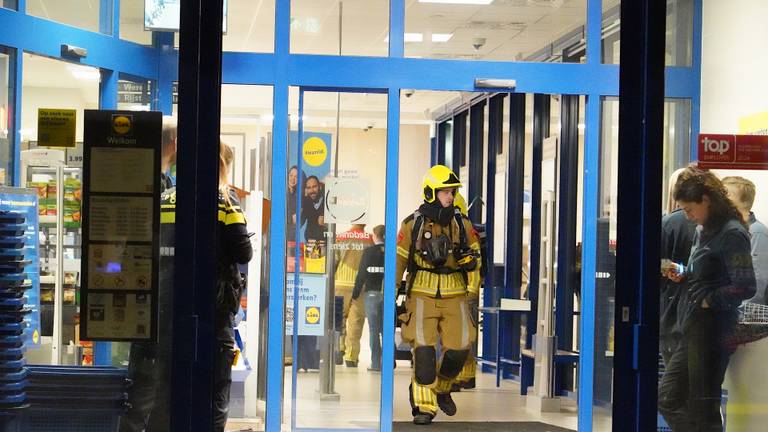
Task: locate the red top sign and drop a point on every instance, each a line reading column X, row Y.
column 748, row 152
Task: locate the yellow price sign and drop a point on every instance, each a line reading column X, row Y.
column 56, row 127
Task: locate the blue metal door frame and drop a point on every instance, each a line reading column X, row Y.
column 282, row 69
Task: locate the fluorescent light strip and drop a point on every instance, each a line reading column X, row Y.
column 441, row 37
column 464, row 2
column 410, row 37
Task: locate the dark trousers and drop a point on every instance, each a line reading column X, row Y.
column 149, row 394
column 225, row 356
column 691, row 387
column 373, row 312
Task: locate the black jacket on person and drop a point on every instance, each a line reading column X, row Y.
column 719, row 271
column 677, row 233
column 310, row 213
column 370, row 275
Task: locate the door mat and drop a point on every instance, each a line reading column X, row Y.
column 478, row 427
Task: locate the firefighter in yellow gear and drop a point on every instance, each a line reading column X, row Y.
column 349, row 251
column 440, row 250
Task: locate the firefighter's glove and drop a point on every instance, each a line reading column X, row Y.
column 467, row 259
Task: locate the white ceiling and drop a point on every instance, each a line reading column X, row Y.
column 512, row 29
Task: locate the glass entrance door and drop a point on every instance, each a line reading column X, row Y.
column 335, row 214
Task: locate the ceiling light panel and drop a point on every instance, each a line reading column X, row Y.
column 441, row 37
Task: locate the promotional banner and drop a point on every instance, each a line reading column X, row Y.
column 311, row 313
column 315, row 167
column 24, row 201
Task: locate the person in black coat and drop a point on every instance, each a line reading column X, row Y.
column 719, row 277
column 370, row 279
column 233, row 247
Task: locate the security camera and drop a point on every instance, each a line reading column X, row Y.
column 409, row 93
column 478, row 43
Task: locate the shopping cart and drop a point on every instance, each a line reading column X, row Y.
column 752, row 325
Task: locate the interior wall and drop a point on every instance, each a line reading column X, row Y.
column 733, row 36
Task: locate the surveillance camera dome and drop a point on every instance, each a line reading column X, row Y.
column 478, row 43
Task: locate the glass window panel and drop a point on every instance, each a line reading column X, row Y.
column 132, row 22
column 7, row 128
column 344, row 138
column 246, row 126
column 9, row 4
column 333, row 27
column 679, row 35
column 485, row 30
column 605, row 289
column 250, row 26
column 83, row 14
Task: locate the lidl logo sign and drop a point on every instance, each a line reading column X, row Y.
column 312, row 315
column 121, row 124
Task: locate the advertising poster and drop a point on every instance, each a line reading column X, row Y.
column 24, row 201
column 316, row 165
column 121, row 201
column 311, row 313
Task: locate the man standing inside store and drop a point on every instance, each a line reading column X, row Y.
column 742, row 193
column 350, row 246
column 149, row 363
column 440, row 250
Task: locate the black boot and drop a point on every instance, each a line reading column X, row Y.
column 446, row 404
column 422, row 419
column 468, row 384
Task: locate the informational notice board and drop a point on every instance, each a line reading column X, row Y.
column 311, row 313
column 24, row 201
column 121, row 225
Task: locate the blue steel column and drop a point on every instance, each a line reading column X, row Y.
column 566, row 242
column 277, row 248
column 390, row 252
column 475, row 193
column 396, row 50
column 199, row 130
column 109, row 17
column 16, row 84
column 513, row 256
column 641, row 111
column 167, row 71
column 589, row 224
column 541, row 118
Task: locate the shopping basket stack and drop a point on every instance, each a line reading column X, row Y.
column 13, row 285
column 74, row 399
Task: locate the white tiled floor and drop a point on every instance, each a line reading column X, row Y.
column 358, row 406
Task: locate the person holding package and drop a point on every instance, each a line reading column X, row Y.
column 440, row 250
column 350, row 246
column 742, row 193
column 677, row 234
column 720, row 277
column 369, row 282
